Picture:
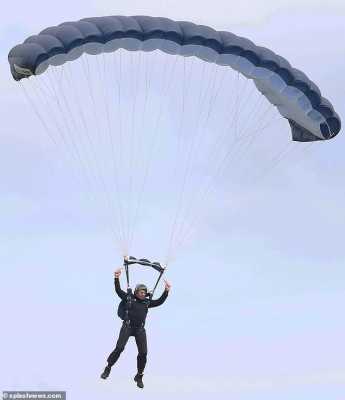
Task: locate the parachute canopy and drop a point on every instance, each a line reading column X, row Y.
column 298, row 99
column 154, row 114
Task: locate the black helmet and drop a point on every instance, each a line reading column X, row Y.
column 140, row 286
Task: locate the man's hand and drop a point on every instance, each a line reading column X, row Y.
column 117, row 273
column 167, row 285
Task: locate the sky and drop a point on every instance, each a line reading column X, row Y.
column 256, row 301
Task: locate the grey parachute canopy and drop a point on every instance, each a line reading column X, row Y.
column 297, row 99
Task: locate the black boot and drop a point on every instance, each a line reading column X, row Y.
column 106, row 372
column 139, row 380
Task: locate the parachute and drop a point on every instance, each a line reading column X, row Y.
column 151, row 108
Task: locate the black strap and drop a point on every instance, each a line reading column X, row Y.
column 159, row 278
column 128, row 304
column 125, row 264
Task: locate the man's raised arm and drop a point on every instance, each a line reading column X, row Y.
column 118, row 289
column 161, row 300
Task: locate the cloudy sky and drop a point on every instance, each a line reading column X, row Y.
column 257, row 298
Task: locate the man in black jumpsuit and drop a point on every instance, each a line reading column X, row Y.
column 134, row 326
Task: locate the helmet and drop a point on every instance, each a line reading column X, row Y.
column 140, row 286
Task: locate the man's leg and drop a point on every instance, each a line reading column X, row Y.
column 141, row 341
column 124, row 335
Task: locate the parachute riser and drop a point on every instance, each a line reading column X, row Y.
column 155, row 265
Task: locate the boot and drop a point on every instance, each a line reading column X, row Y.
column 139, row 380
column 106, row 372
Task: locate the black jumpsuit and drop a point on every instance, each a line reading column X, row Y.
column 134, row 327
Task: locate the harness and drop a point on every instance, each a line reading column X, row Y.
column 129, row 297
column 128, row 304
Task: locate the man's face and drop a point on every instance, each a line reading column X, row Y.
column 141, row 294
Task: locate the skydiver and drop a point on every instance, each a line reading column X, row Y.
column 134, row 325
